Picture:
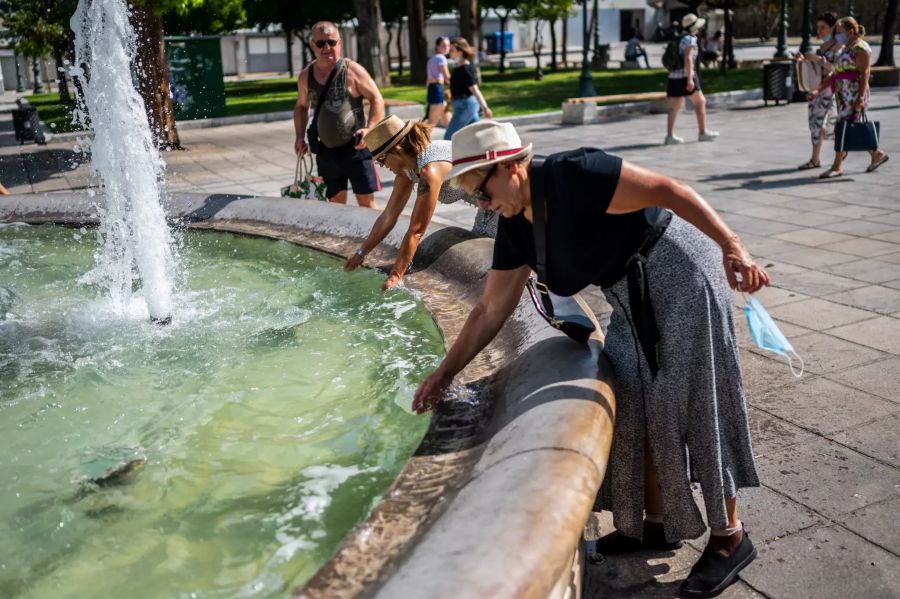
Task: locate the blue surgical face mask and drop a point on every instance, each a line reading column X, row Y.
column 767, row 335
column 827, row 37
column 842, row 38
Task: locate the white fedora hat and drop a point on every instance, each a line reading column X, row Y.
column 484, row 143
column 692, row 22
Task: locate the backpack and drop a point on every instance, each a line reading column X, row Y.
column 672, row 56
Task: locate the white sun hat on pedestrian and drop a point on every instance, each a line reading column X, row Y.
column 692, row 22
column 485, row 143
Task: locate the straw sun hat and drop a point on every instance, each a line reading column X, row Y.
column 386, row 134
column 692, row 22
column 485, row 143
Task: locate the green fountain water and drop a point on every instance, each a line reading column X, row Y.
column 225, row 455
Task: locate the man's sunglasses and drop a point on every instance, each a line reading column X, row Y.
column 479, row 193
column 321, row 43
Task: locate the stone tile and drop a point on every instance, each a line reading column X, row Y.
column 863, row 247
column 823, row 406
column 857, row 211
column 771, row 296
column 892, row 284
column 892, row 258
column 743, row 224
column 828, row 477
column 824, row 353
column 891, row 236
column 771, row 434
column 810, row 219
column 813, row 237
column 824, row 562
column 876, row 298
column 862, row 228
column 879, row 378
column 810, row 282
column 881, row 333
column 869, row 270
column 809, row 257
column 814, row 205
column 769, row 516
column 877, row 439
column 818, row 314
column 877, row 523
column 889, row 219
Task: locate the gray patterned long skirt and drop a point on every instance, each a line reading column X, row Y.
column 693, row 416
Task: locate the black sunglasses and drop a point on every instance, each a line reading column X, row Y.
column 321, row 43
column 479, row 193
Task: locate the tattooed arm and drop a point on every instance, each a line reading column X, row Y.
column 430, row 180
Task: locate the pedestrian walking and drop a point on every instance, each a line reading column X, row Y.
column 438, row 76
column 405, row 147
column 849, row 83
column 821, row 108
column 466, row 96
column 335, row 88
column 684, row 80
column 657, row 249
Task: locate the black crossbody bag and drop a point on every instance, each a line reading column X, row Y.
column 578, row 327
column 312, row 132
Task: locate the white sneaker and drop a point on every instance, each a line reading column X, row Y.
column 708, row 136
column 671, row 140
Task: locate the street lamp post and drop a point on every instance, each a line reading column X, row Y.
column 781, row 49
column 20, row 85
column 596, row 58
column 36, row 70
column 805, row 45
column 850, row 8
column 585, row 82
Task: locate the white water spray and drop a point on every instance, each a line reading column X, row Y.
column 124, row 160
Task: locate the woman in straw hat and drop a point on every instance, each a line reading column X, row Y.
column 684, row 82
column 405, row 147
column 657, row 249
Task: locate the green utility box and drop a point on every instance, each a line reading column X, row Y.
column 195, row 76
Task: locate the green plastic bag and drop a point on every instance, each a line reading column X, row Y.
column 306, row 186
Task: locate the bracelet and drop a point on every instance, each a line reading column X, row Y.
column 732, row 237
column 359, row 252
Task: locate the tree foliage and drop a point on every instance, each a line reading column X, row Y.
column 186, row 17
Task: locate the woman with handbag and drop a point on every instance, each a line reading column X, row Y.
column 821, row 110
column 658, row 250
column 405, row 147
column 850, row 84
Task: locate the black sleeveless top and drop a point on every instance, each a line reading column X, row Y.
column 585, row 245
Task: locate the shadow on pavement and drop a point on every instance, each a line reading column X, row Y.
column 212, row 205
column 757, row 184
column 632, row 147
column 747, row 174
column 34, row 167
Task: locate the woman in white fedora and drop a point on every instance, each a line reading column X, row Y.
column 657, row 249
column 684, row 82
column 405, row 147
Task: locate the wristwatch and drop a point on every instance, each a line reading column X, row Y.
column 359, row 252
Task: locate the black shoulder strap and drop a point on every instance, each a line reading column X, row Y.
column 539, row 224
column 334, row 71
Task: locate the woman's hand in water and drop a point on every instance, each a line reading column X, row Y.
column 431, row 391
column 353, row 262
column 391, row 281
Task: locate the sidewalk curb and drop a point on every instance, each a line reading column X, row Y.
column 721, row 99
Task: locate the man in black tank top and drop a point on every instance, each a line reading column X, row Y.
column 341, row 124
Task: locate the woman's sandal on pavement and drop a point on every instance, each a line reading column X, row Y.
column 871, row 168
column 714, row 572
column 809, row 165
column 831, row 174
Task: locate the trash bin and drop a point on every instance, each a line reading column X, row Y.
column 495, row 46
column 24, row 123
column 507, row 41
column 778, row 82
column 195, row 76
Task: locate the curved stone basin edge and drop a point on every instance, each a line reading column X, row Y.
column 494, row 500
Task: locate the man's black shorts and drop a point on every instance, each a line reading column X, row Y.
column 337, row 165
column 677, row 88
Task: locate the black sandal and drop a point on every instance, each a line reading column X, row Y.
column 809, row 164
column 714, row 572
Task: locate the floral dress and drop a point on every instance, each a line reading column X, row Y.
column 822, row 115
column 846, row 91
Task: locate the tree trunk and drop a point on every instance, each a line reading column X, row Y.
column 565, row 41
column 536, row 48
column 369, row 42
column 400, row 46
column 553, row 65
column 389, row 28
column 289, row 37
column 503, row 19
column 63, row 85
column 418, row 46
column 468, row 24
column 153, row 74
column 886, row 56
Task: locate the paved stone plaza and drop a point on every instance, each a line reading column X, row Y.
column 827, row 444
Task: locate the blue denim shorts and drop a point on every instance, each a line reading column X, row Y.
column 435, row 93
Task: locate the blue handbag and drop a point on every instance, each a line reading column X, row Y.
column 857, row 136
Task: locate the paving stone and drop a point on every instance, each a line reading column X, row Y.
column 888, row 219
column 824, row 354
column 868, row 270
column 824, row 562
column 771, row 296
column 877, row 523
column 879, row 378
column 877, row 439
column 828, row 477
column 743, row 224
column 818, row 314
column 823, row 406
column 770, row 434
column 862, row 228
column 892, row 258
column 882, row 333
column 873, row 297
column 857, row 211
column 809, row 257
column 813, row 236
column 863, row 247
column 810, row 282
column 768, row 516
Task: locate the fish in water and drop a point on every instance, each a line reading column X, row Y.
column 118, row 473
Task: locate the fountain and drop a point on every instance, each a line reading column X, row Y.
column 124, row 160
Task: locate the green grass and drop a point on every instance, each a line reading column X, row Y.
column 513, row 93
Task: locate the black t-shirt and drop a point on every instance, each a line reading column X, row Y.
column 585, row 245
column 461, row 79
